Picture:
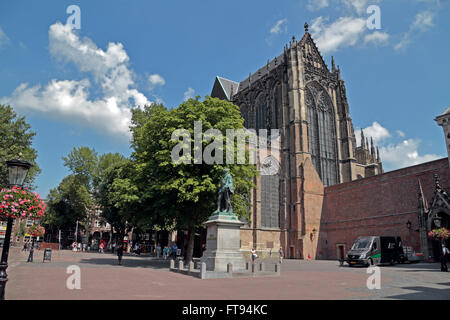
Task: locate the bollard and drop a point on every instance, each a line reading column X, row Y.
column 277, row 268
column 191, row 266
column 253, row 267
column 172, row 264
column 261, row 268
column 203, row 270
column 246, row 265
column 230, row 269
column 180, row 265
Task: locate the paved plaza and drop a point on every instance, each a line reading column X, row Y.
column 150, row 278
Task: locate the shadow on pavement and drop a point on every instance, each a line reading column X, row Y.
column 424, row 293
column 127, row 262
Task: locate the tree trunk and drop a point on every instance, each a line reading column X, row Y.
column 190, row 247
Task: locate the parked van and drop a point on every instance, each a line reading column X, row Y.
column 374, row 250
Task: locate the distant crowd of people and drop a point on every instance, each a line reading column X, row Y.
column 168, row 251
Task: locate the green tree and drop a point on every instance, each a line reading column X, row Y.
column 66, row 204
column 83, row 163
column 16, row 137
column 117, row 193
column 185, row 194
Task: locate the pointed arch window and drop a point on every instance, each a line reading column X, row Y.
column 322, row 138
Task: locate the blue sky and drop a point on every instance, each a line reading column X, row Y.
column 75, row 87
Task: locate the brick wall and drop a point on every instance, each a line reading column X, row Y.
column 378, row 205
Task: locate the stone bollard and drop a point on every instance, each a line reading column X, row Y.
column 203, row 270
column 172, row 264
column 230, row 269
column 180, row 265
column 191, row 267
column 277, row 268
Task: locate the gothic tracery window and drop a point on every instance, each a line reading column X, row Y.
column 322, row 134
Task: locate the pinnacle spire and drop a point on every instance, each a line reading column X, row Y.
column 306, row 27
column 363, row 145
column 372, row 148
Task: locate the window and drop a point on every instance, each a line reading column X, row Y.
column 322, row 138
column 270, row 201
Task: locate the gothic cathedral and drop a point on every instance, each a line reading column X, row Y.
column 297, row 94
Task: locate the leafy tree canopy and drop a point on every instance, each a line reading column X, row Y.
column 16, row 137
column 185, row 193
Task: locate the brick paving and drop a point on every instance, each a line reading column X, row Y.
column 149, row 278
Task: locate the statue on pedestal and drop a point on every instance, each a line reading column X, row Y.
column 225, row 191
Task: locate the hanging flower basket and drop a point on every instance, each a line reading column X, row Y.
column 441, row 234
column 20, row 203
column 36, row 230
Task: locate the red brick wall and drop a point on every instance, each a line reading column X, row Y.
column 378, row 205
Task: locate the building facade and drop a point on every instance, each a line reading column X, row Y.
column 325, row 190
column 300, row 96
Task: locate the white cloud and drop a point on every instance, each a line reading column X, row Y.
column 156, row 80
column 394, row 154
column 344, row 32
column 423, row 21
column 401, row 133
column 404, row 154
column 70, row 99
column 314, row 5
column 377, row 132
column 189, row 94
column 279, row 27
column 4, row 40
column 360, row 6
column 376, row 37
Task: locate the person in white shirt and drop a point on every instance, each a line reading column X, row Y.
column 445, row 253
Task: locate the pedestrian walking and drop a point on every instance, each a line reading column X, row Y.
column 254, row 255
column 445, row 253
column 281, row 254
column 120, row 253
column 30, row 256
column 174, row 251
column 158, row 250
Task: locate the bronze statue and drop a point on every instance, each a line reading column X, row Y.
column 225, row 191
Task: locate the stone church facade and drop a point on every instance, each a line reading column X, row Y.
column 306, row 101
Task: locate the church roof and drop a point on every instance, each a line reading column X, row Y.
column 261, row 72
column 443, row 115
column 224, row 88
column 446, row 111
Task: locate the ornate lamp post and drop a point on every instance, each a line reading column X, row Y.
column 17, row 173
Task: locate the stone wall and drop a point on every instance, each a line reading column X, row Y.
column 378, row 205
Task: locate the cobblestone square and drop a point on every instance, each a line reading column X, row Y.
column 147, row 278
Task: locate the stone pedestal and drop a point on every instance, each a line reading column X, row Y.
column 223, row 244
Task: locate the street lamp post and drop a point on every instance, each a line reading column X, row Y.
column 17, row 172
